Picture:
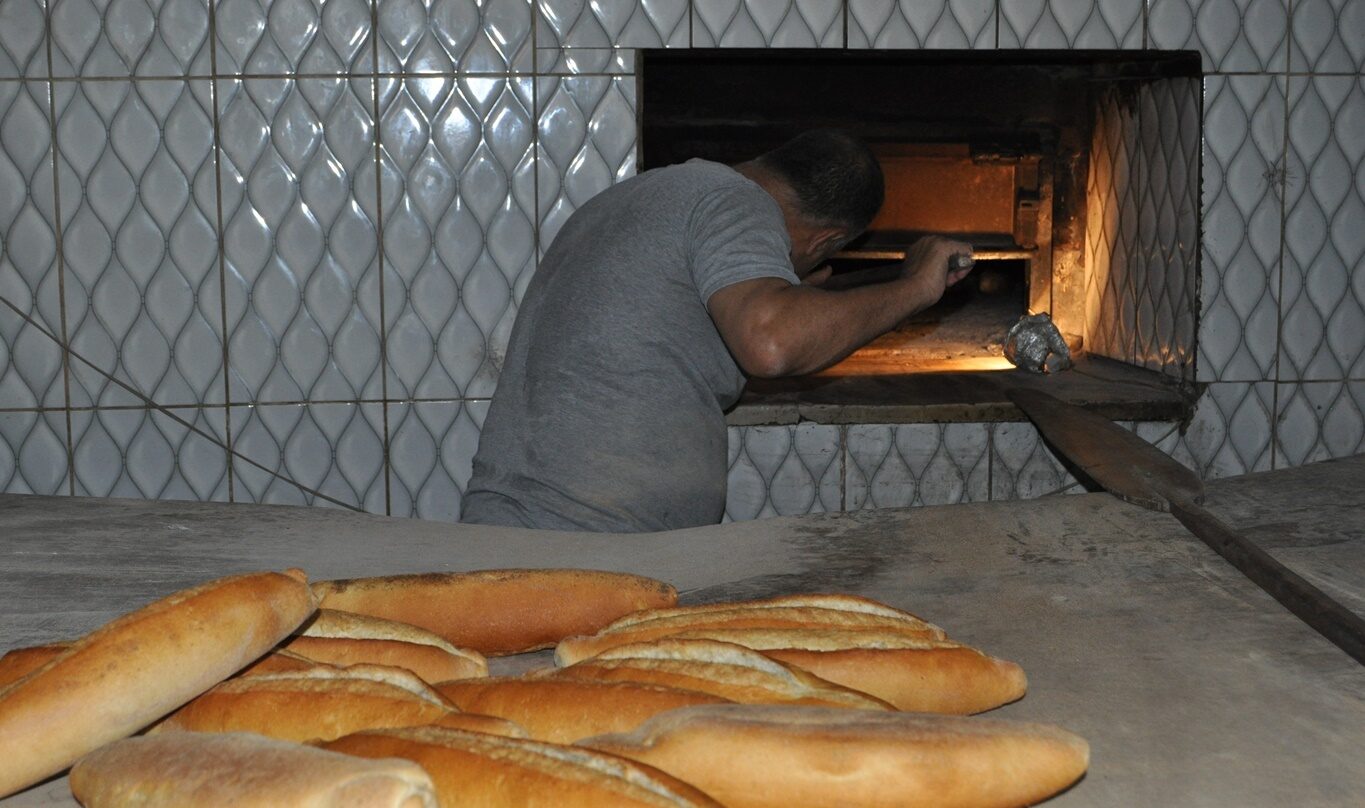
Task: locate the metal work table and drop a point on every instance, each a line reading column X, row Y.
column 1193, row 687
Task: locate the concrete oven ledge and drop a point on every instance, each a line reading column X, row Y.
column 1113, row 389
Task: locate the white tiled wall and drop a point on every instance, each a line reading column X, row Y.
column 317, row 263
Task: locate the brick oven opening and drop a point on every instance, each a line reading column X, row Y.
column 1075, row 176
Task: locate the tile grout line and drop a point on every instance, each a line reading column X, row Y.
column 221, row 239
column 60, row 256
column 379, row 251
column 1282, row 178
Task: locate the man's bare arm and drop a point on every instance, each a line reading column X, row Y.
column 775, row 329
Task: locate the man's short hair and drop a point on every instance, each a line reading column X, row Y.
column 836, row 177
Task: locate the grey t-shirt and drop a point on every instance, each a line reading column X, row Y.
column 608, row 415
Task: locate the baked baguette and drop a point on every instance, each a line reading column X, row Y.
column 135, row 669
column 764, row 757
column 721, row 669
column 278, row 661
column 833, row 602
column 20, row 662
column 499, row 612
column 319, row 703
column 562, row 711
column 931, row 676
column 483, row 770
column 346, row 638
column 240, row 770
column 641, row 627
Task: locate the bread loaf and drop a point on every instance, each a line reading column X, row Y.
column 125, row 675
column 278, row 662
column 932, row 676
column 647, row 626
column 20, row 662
column 721, row 669
column 477, row 722
column 832, row 602
column 497, row 612
column 772, row 757
column 346, row 638
column 562, row 711
column 319, row 703
column 474, row 769
column 240, row 770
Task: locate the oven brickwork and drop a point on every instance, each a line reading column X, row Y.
column 315, row 260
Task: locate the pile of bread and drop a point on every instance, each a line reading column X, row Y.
column 261, row 690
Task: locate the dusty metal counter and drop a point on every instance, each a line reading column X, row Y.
column 1192, row 686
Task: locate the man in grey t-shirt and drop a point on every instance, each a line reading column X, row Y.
column 652, row 305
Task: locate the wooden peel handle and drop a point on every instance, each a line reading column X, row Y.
column 1343, row 627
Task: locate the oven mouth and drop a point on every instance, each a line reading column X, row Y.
column 1073, row 174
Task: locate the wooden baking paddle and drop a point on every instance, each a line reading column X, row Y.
column 1134, row 470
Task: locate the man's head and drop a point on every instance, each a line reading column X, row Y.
column 829, row 185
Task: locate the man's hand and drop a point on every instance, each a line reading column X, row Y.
column 929, row 265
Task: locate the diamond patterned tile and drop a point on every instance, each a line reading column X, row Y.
column 1319, row 421
column 1098, row 24
column 1329, row 36
column 442, row 36
column 138, row 211
column 1234, row 36
column 336, row 449
column 902, row 465
column 587, row 143
column 1168, row 231
column 1243, row 153
column 921, row 23
column 300, row 241
column 30, row 361
column 1323, row 306
column 275, row 37
column 147, row 454
column 580, row 61
column 117, row 38
column 767, row 24
column 1231, row 431
column 612, row 23
column 1023, row 467
column 782, row 471
column 22, row 31
column 431, row 452
column 1112, row 231
column 33, row 453
column 459, row 237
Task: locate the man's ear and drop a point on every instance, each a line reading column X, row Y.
column 827, row 240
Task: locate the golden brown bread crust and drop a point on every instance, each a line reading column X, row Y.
column 470, row 768
column 278, row 662
column 721, row 669
column 765, row 757
column 476, row 722
column 829, row 601
column 953, row 680
column 429, row 663
column 498, row 612
column 321, row 703
column 135, row 669
column 241, row 770
column 20, row 662
column 346, row 638
column 932, row 676
column 642, row 627
column 563, row 711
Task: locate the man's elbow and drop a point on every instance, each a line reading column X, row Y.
column 769, row 359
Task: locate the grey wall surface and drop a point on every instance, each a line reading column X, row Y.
column 304, row 227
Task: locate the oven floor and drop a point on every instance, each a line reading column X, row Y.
column 1115, row 390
